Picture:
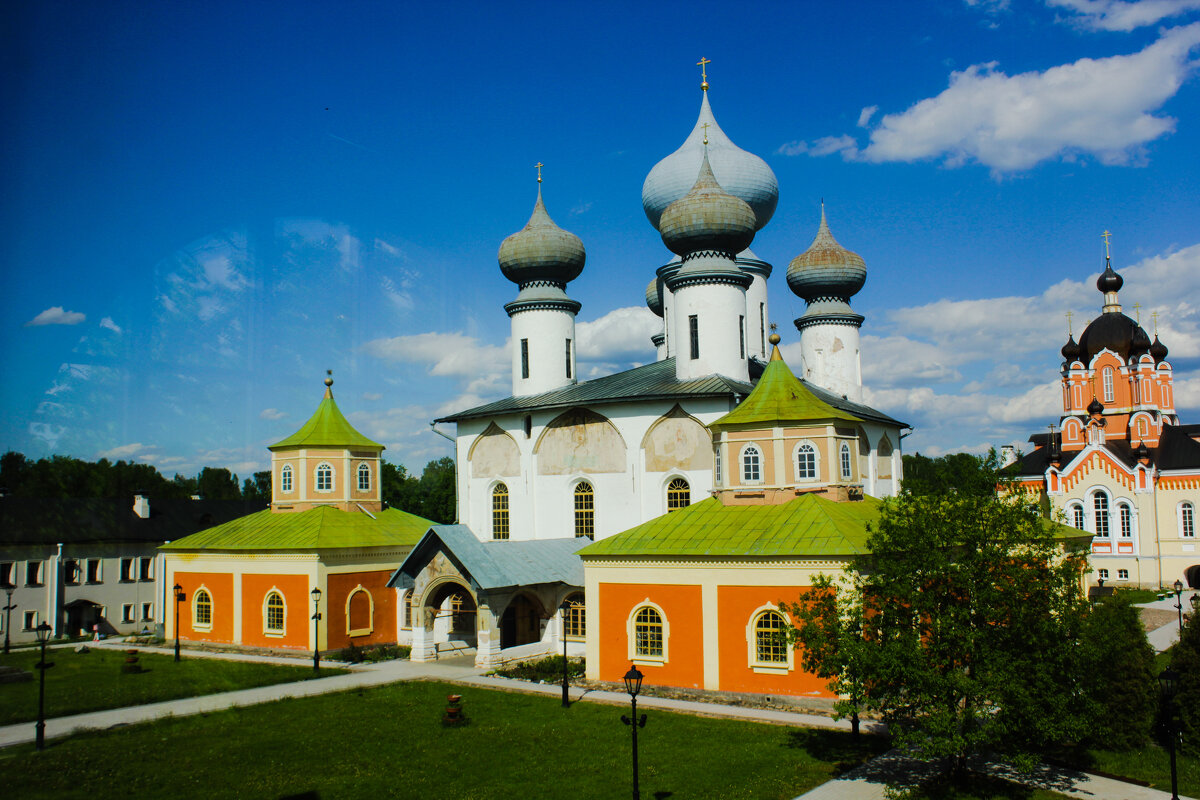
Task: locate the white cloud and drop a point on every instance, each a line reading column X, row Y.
column 398, row 292
column 372, row 396
column 453, row 354
column 621, row 333
column 55, row 315
column 1100, row 107
column 864, row 117
column 108, row 323
column 271, row 413
column 1121, row 15
column 136, row 449
column 795, row 148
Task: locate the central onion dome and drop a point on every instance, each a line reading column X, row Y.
column 826, row 270
column 741, row 174
column 1112, row 330
column 707, row 218
column 1109, row 280
column 654, row 297
column 541, row 251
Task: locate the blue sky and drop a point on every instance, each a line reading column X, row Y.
column 210, row 204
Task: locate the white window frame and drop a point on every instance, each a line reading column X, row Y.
column 1122, row 574
column 370, row 613
column 666, row 495
column 846, row 461
column 1101, row 518
column 197, row 625
column 324, row 465
column 1186, row 516
column 281, row 631
column 816, row 460
column 493, row 511
column 1103, row 574
column 767, row 667
column 758, row 463
column 364, row 477
column 631, row 635
column 406, row 610
column 717, row 466
column 1109, row 391
column 285, row 479
column 1077, row 517
column 1125, row 514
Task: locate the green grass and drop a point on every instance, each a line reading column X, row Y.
column 93, row 681
column 389, row 742
column 1150, row 764
column 1139, row 595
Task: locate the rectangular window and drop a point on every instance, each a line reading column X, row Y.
column 6, row 573
column 524, row 358
column 33, row 573
column 147, row 612
column 408, row 601
column 1122, row 574
column 93, row 570
column 71, row 571
column 31, row 620
column 146, row 569
column 127, row 573
column 1187, row 521
column 694, row 328
column 1103, row 574
column 127, row 612
column 742, row 335
column 762, row 326
column 568, row 359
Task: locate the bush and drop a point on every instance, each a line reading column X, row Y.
column 544, row 670
column 1121, row 682
column 382, row 652
column 1185, row 659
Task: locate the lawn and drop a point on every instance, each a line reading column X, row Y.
column 93, row 681
column 389, row 742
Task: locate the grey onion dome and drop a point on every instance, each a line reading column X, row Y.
column 1158, row 350
column 826, row 269
column 541, row 251
column 742, row 174
column 654, row 297
column 707, row 218
column 1070, row 350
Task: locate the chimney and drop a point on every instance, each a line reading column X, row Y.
column 141, row 504
column 1008, row 455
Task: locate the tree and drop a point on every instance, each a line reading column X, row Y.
column 1185, row 659
column 957, row 473
column 1120, row 675
column 971, row 612
column 438, row 501
column 258, row 487
column 399, row 489
column 218, row 484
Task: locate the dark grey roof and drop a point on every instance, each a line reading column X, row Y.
column 495, row 564
column 1176, row 450
column 25, row 520
column 654, row 381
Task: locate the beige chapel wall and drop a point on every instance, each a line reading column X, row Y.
column 494, row 454
column 580, row 441
column 677, row 441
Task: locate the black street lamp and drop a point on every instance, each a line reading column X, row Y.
column 565, row 608
column 1179, row 603
column 179, row 598
column 43, row 635
column 8, row 609
column 1168, row 684
column 316, row 618
column 633, row 685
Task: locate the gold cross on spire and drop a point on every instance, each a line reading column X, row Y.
column 1137, row 312
column 703, row 64
column 539, row 166
column 705, row 126
column 1069, row 315
column 1106, row 236
column 1155, row 316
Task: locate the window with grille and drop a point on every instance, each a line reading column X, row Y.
column 770, row 645
column 585, row 510
column 762, row 326
column 1126, row 521
column 202, row 609
column 285, row 479
column 1103, row 574
column 648, row 632
column 1122, row 574
column 500, row 512
column 679, row 494
column 324, row 478
column 568, row 358
column 717, row 467
column 573, row 625
column 364, row 478
column 1077, row 516
column 524, row 358
column 751, row 464
column 408, row 609
column 847, row 465
column 742, row 336
column 806, row 462
column 1109, row 395
column 1100, row 514
column 694, row 331
column 274, row 613
column 1187, row 521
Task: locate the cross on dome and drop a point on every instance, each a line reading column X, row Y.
column 539, row 166
column 703, row 63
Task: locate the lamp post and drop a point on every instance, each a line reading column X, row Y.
column 1168, row 683
column 179, row 596
column 8, row 609
column 633, row 685
column 1178, row 586
column 565, row 608
column 316, row 618
column 43, row 635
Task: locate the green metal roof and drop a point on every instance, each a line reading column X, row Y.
column 810, row 525
column 320, row 528
column 780, row 398
column 327, row 428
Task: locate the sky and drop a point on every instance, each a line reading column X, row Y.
column 208, row 204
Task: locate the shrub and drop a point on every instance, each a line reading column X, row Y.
column 545, row 670
column 1120, row 675
column 375, row 653
column 1185, row 659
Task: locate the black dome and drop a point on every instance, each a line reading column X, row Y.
column 1142, row 451
column 1109, row 280
column 1070, row 350
column 1158, row 349
column 1095, row 407
column 1115, row 331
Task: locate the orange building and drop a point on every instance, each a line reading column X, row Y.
column 251, row 581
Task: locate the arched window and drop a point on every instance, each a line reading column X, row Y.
column 1126, row 520
column 364, row 478
column 679, row 494
column 751, row 464
column 1100, row 515
column 360, row 612
column 202, row 609
column 285, row 479
column 324, row 478
column 585, row 510
column 574, row 623
column 1108, row 385
column 1077, row 516
column 273, row 613
column 648, row 633
column 406, row 623
column 847, row 465
column 806, row 462
column 1187, row 520
column 717, row 467
column 770, row 646
column 500, row 511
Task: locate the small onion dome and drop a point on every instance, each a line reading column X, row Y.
column 654, row 297
column 1114, row 331
column 707, row 218
column 1142, row 452
column 541, row 251
column 1109, row 280
column 1070, row 350
column 826, row 269
column 1158, row 350
column 744, row 175
column 1095, row 407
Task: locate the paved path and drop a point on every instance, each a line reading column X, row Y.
column 1165, row 636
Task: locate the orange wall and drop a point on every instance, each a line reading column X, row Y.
column 220, row 586
column 339, row 586
column 297, row 604
column 685, row 632
column 735, row 605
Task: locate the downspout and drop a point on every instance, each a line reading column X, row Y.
column 1157, row 531
column 56, row 592
column 451, row 440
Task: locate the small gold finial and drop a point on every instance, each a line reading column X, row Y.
column 774, row 338
column 1155, row 316
column 703, row 64
column 1069, row 315
column 329, row 383
column 705, row 126
column 1137, row 312
column 539, row 166
column 1106, row 236
column 773, row 327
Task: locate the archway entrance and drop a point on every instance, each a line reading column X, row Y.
column 453, row 611
column 1193, row 576
column 81, row 616
column 520, row 623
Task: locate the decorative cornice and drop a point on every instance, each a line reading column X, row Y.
column 734, row 277
column 537, row 284
column 517, row 306
column 725, row 254
column 849, row 320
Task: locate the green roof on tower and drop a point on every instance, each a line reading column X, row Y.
column 327, row 428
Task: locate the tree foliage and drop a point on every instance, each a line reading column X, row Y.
column 957, row 473
column 1185, row 659
column 959, row 629
column 1119, row 675
column 431, row 496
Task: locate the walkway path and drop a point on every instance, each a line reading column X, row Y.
column 1166, row 635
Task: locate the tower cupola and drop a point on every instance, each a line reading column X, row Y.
column 707, row 218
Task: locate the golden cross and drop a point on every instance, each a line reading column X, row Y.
column 703, row 64
column 774, row 327
column 1106, row 236
column 1137, row 312
column 705, row 126
column 1069, row 315
column 539, row 166
column 1155, row 315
